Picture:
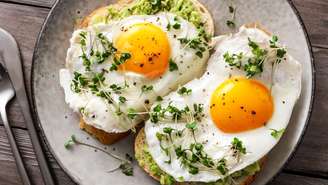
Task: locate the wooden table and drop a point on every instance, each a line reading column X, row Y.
column 24, row 18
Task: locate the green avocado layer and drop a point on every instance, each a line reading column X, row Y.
column 145, row 160
column 182, row 8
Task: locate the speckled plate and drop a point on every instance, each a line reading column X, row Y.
column 58, row 122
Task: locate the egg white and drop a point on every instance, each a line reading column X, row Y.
column 97, row 112
column 286, row 86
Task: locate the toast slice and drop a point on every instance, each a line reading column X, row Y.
column 103, row 11
column 144, row 159
column 110, row 138
column 102, row 136
column 142, row 155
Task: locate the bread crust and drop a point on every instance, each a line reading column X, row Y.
column 110, row 138
column 140, row 142
column 102, row 136
column 206, row 16
column 258, row 26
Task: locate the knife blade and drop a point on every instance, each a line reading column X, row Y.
column 12, row 60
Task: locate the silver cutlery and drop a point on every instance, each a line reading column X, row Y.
column 12, row 60
column 7, row 93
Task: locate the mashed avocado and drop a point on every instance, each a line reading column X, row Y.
column 182, row 8
column 146, row 161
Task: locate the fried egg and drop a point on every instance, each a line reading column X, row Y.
column 114, row 72
column 227, row 119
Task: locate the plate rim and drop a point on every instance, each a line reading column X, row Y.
column 44, row 139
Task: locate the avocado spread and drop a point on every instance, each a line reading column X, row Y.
column 146, row 161
column 182, row 8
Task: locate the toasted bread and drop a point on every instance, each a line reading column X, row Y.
column 110, row 138
column 205, row 14
column 140, row 143
column 102, row 136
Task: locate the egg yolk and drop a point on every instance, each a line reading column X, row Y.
column 241, row 104
column 149, row 48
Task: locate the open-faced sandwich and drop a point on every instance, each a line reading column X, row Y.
column 126, row 56
column 217, row 130
column 208, row 123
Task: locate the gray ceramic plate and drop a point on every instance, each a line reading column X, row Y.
column 58, row 122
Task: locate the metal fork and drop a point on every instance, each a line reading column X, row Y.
column 7, row 93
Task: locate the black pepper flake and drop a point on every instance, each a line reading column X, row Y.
column 229, row 117
column 65, row 117
column 146, row 101
column 150, row 59
column 114, row 148
column 283, row 102
column 208, row 73
column 93, row 116
column 241, row 107
column 204, row 90
column 141, row 65
column 134, row 83
column 174, row 36
column 253, row 112
column 223, row 103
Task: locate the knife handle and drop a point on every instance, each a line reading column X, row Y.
column 44, row 168
column 18, row 159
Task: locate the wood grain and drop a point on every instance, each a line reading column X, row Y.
column 24, row 23
column 40, row 3
column 10, row 175
column 315, row 16
column 289, row 179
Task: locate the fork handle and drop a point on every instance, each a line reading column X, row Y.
column 19, row 162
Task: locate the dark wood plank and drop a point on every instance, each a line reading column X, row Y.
column 312, row 155
column 24, row 22
column 40, row 3
column 10, row 176
column 315, row 16
column 289, row 179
